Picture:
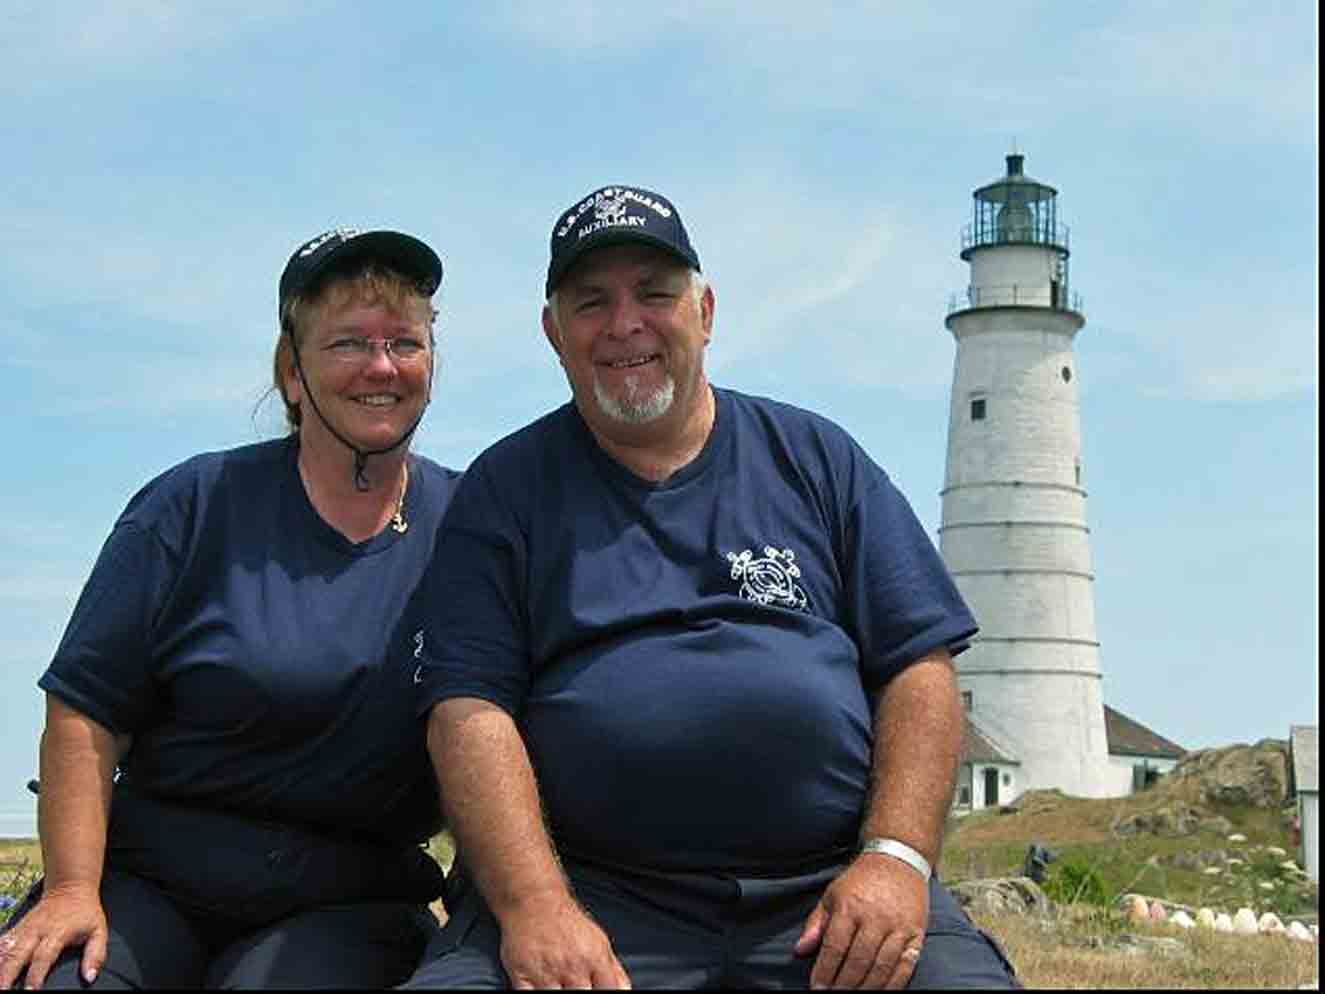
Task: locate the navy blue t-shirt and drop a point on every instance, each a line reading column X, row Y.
column 262, row 661
column 691, row 663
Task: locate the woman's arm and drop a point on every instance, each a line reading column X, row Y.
column 78, row 758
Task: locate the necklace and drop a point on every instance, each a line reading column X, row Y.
column 398, row 522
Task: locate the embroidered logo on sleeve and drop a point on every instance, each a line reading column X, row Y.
column 418, row 652
column 770, row 579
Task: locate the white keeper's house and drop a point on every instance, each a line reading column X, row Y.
column 1014, row 531
column 1304, row 788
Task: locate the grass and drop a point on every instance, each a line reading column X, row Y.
column 1092, row 949
column 1082, row 832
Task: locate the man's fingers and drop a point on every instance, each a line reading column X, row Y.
column 836, row 941
column 861, row 958
column 610, row 976
column 902, row 969
column 812, row 932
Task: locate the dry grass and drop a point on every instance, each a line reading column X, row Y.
column 1092, row 949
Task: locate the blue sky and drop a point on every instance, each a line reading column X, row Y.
column 162, row 161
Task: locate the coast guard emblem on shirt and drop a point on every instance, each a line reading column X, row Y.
column 770, row 579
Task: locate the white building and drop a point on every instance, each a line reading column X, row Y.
column 1137, row 756
column 990, row 773
column 1014, row 531
column 1305, row 785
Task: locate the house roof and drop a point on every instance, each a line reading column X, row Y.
column 1302, row 747
column 1128, row 737
column 978, row 747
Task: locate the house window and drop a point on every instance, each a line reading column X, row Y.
column 964, row 796
column 1067, row 375
column 1007, row 779
column 978, row 409
column 968, row 699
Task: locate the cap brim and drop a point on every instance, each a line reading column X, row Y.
column 398, row 250
column 609, row 236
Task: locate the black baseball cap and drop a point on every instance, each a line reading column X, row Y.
column 611, row 215
column 340, row 246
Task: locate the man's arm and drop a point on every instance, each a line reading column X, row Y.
column 493, row 808
column 874, row 914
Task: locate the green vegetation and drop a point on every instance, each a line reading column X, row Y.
column 1207, row 866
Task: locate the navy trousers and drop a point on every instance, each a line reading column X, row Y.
column 698, row 931
column 155, row 942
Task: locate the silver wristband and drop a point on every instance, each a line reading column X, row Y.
column 898, row 850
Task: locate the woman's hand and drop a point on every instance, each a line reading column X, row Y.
column 64, row 917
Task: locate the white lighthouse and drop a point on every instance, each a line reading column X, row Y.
column 1014, row 528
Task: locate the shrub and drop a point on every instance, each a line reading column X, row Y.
column 1075, row 881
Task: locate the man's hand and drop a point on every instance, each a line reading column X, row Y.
column 868, row 927
column 62, row 918
column 554, row 944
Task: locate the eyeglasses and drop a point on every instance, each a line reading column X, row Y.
column 356, row 351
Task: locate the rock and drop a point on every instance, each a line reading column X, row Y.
column 1236, row 774
column 1016, row 894
column 1206, row 918
column 1269, row 922
column 1182, row 920
column 1296, row 930
column 1244, row 922
column 1234, row 861
column 1157, row 912
column 1175, row 819
column 1212, row 871
column 1223, row 923
column 1276, row 851
column 1137, row 909
column 1290, row 866
column 1237, row 837
column 1266, row 885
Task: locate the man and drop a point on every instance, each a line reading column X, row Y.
column 687, row 674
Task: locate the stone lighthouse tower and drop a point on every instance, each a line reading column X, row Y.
column 1014, row 529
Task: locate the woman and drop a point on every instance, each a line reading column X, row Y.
column 234, row 786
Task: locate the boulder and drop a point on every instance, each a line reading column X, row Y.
column 1269, row 922
column 1205, row 918
column 998, row 894
column 1157, row 912
column 1296, row 930
column 1182, row 920
column 1137, row 909
column 1175, row 819
column 1223, row 923
column 1237, row 774
column 1244, row 922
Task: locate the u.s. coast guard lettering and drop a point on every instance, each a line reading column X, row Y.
column 345, row 234
column 770, row 579
column 611, row 208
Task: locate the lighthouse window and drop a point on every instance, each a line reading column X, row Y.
column 1067, row 375
column 978, row 409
